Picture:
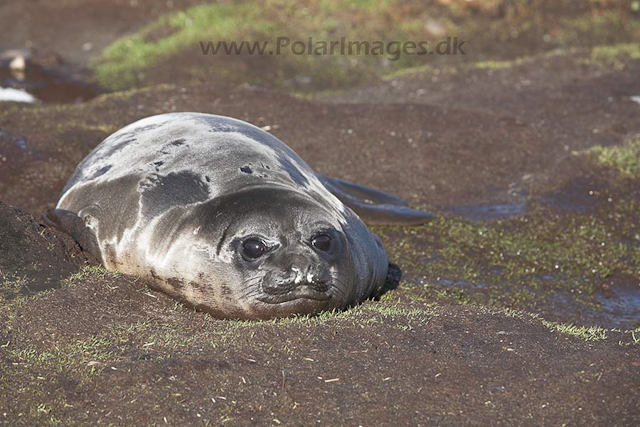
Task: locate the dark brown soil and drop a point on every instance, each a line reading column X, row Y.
column 563, row 95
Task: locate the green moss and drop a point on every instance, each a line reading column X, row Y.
column 587, row 333
column 453, row 70
column 522, row 249
column 623, row 158
column 505, row 311
column 494, row 65
column 610, row 53
column 396, row 310
column 409, row 71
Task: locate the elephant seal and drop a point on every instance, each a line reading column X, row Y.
column 225, row 217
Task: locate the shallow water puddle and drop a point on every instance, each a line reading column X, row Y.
column 616, row 305
column 621, row 301
column 485, row 212
column 14, row 149
column 39, row 84
column 578, row 196
column 581, row 195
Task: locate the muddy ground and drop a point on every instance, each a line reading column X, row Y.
column 519, row 305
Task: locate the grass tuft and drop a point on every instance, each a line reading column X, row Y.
column 623, row 158
column 587, row 333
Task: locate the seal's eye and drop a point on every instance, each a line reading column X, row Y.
column 253, row 248
column 322, row 242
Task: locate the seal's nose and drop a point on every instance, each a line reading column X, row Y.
column 298, row 271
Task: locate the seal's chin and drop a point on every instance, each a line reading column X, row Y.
column 297, row 293
column 290, row 298
column 291, row 306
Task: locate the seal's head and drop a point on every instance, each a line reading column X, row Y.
column 266, row 252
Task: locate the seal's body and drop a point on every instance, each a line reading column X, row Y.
column 224, row 216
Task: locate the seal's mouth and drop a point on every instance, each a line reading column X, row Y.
column 298, row 292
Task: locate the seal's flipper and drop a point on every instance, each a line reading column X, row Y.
column 375, row 206
column 389, row 214
column 361, row 193
column 71, row 224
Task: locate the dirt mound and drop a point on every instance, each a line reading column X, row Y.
column 33, row 257
column 109, row 351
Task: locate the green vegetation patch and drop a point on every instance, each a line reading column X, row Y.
column 611, row 53
column 90, row 272
column 623, row 158
column 123, row 63
column 496, row 65
column 82, row 356
column 586, row 333
column 500, row 31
